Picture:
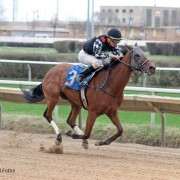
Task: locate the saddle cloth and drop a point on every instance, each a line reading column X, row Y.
column 72, row 78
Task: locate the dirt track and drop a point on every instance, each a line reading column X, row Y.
column 115, row 162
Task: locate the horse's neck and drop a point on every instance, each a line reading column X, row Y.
column 120, row 76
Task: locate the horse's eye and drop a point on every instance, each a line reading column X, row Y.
column 136, row 57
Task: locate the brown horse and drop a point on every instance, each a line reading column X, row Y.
column 104, row 94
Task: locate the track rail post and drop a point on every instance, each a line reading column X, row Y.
column 162, row 115
column 163, row 140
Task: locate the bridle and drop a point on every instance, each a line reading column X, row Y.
column 132, row 67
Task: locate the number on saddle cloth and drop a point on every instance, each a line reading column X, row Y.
column 72, row 78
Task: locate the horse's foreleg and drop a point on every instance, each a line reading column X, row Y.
column 72, row 120
column 48, row 116
column 114, row 118
column 89, row 125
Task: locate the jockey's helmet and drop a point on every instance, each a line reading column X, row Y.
column 114, row 34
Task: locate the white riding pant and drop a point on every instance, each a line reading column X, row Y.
column 87, row 59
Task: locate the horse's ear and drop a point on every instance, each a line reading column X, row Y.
column 136, row 44
column 128, row 47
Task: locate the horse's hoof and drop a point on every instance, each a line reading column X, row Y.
column 57, row 143
column 69, row 133
column 100, row 143
column 85, row 144
column 76, row 136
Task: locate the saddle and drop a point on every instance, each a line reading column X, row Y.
column 73, row 81
column 73, row 77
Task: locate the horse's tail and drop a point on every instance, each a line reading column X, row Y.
column 34, row 95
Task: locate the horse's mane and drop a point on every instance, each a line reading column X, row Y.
column 125, row 49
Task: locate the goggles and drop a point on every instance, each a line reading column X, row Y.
column 115, row 40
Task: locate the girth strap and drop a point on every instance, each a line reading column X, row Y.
column 83, row 97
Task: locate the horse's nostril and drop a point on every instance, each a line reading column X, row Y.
column 152, row 69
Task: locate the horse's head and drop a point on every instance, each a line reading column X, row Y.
column 140, row 63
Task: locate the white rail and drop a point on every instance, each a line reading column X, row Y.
column 31, row 62
column 54, row 63
column 129, row 88
column 138, row 89
column 155, row 90
column 11, row 82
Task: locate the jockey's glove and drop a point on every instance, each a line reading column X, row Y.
column 115, row 57
column 97, row 64
column 106, row 61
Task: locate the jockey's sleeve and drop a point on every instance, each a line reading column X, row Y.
column 97, row 49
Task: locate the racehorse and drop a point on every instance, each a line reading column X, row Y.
column 104, row 93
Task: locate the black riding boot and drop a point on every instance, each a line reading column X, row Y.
column 86, row 72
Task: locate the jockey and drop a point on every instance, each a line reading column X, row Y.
column 99, row 51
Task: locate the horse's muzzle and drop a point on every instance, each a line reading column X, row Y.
column 150, row 68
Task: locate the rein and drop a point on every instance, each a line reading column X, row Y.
column 139, row 68
column 103, row 85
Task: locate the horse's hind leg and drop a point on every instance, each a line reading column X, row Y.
column 71, row 120
column 48, row 115
column 114, row 118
